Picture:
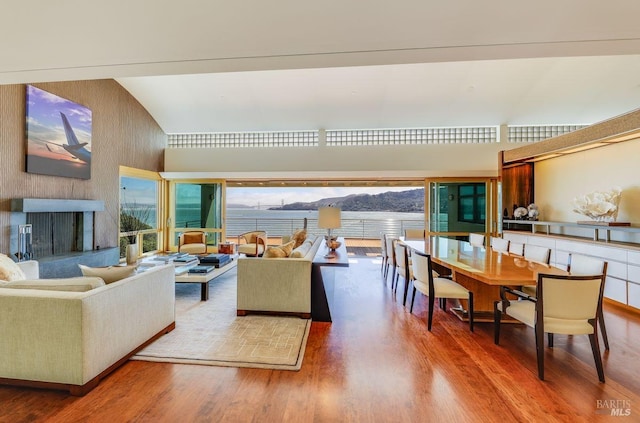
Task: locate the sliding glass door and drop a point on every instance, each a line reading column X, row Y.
column 457, row 207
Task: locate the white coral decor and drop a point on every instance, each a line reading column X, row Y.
column 600, row 206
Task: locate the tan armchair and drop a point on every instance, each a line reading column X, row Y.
column 252, row 243
column 192, row 242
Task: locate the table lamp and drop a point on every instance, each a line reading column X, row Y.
column 329, row 218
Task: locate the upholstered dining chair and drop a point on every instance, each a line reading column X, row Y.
column 584, row 265
column 383, row 251
column 403, row 268
column 516, row 248
column 500, row 245
column 252, row 243
column 414, row 233
column 442, row 288
column 537, row 254
column 566, row 304
column 477, row 240
column 391, row 258
column 192, row 242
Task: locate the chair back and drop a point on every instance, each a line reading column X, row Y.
column 383, row 245
column 562, row 299
column 414, row 233
column 537, row 254
column 477, row 240
column 421, row 266
column 584, row 265
column 192, row 237
column 402, row 257
column 516, row 248
column 390, row 248
column 500, row 245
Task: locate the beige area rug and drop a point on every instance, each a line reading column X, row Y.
column 210, row 333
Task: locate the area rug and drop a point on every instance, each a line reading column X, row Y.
column 210, row 333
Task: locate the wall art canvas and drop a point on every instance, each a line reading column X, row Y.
column 58, row 135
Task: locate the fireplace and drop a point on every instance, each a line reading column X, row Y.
column 61, row 234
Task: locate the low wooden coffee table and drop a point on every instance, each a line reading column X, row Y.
column 183, row 276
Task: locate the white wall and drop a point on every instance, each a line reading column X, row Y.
column 558, row 181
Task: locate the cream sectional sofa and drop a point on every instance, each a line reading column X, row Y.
column 70, row 340
column 277, row 285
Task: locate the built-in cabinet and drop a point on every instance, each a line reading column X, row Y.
column 623, row 271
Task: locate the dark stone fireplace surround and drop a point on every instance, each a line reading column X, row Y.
column 66, row 265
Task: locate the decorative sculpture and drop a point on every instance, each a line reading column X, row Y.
column 601, row 206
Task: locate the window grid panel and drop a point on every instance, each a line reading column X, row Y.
column 535, row 133
column 244, row 139
column 484, row 134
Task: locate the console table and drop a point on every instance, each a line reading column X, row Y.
column 320, row 310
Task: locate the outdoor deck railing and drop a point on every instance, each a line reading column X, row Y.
column 351, row 228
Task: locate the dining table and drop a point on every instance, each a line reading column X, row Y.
column 479, row 269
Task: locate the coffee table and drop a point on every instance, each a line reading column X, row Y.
column 183, row 276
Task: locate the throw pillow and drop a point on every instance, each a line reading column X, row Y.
column 109, row 274
column 280, row 251
column 79, row 284
column 299, row 236
column 9, row 270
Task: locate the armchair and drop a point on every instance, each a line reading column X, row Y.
column 252, row 243
column 192, row 242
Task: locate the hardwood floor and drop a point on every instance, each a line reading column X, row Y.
column 375, row 363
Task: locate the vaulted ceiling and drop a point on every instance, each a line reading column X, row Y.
column 284, row 65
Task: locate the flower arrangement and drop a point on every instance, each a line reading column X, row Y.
column 601, row 206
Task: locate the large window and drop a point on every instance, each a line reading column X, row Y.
column 140, row 211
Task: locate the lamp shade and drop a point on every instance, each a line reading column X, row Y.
column 329, row 218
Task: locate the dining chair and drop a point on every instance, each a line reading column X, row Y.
column 383, row 251
column 500, row 245
column 477, row 240
column 414, row 233
column 561, row 307
column 433, row 288
column 584, row 265
column 403, row 268
column 537, row 254
column 391, row 258
column 516, row 248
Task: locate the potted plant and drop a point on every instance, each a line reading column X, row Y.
column 133, row 218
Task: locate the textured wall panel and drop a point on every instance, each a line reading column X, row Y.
column 123, row 134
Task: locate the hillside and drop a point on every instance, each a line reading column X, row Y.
column 411, row 201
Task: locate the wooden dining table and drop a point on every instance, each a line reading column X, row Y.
column 479, row 269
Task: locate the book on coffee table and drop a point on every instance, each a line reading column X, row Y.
column 201, row 269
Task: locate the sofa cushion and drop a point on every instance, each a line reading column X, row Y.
column 110, row 273
column 79, row 284
column 299, row 236
column 302, row 250
column 9, row 270
column 279, row 251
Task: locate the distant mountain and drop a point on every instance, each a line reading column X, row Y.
column 411, row 201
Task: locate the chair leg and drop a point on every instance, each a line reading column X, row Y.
column 470, row 311
column 595, row 348
column 394, row 285
column 413, row 297
column 430, row 318
column 605, row 338
column 406, row 290
column 550, row 339
column 540, row 350
column 497, row 315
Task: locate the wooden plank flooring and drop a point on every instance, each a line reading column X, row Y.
column 375, row 363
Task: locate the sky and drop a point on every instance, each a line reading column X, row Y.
column 266, row 197
column 44, row 124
